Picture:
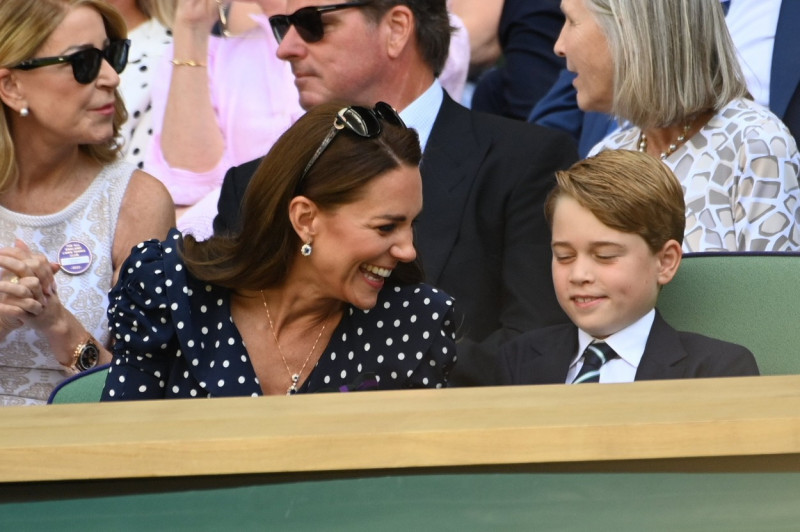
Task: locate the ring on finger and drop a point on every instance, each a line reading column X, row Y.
column 14, row 280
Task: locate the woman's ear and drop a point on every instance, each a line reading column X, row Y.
column 669, row 258
column 304, row 215
column 11, row 90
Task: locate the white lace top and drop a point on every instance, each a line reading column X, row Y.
column 28, row 371
column 739, row 175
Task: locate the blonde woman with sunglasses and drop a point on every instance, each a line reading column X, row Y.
column 70, row 210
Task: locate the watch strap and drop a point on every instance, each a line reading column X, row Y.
column 78, row 364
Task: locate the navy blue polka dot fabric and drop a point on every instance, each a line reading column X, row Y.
column 174, row 337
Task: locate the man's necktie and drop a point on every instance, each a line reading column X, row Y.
column 596, row 355
column 726, row 4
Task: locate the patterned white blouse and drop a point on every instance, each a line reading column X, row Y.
column 28, row 370
column 739, row 175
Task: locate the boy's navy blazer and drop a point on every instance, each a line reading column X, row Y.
column 543, row 356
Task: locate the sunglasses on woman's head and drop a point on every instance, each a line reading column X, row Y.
column 307, row 21
column 86, row 63
column 362, row 121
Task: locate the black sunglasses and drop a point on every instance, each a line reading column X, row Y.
column 362, row 121
column 307, row 21
column 86, row 63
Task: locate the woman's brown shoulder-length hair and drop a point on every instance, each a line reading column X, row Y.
column 262, row 253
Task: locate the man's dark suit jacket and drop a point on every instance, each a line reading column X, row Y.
column 784, row 88
column 543, row 356
column 527, row 32
column 559, row 108
column 482, row 236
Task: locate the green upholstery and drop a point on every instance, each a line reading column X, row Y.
column 750, row 299
column 588, row 502
column 86, row 387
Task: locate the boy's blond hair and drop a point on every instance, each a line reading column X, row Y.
column 628, row 191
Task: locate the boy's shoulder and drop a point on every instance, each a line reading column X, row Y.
column 543, row 336
column 692, row 355
column 709, row 347
column 548, row 344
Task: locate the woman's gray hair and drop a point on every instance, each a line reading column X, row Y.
column 673, row 59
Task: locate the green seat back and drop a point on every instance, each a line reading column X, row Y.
column 86, row 387
column 746, row 298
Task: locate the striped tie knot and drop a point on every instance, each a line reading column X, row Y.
column 596, row 354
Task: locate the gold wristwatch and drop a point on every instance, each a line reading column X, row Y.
column 86, row 355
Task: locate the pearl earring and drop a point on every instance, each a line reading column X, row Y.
column 24, row 112
column 305, row 249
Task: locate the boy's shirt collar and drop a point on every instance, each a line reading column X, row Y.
column 629, row 344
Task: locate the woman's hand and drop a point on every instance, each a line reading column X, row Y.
column 27, row 289
column 28, row 298
column 198, row 15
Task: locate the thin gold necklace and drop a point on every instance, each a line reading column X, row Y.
column 672, row 147
column 294, row 377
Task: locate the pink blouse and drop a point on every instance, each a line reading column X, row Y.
column 254, row 99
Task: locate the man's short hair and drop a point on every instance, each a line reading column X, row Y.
column 628, row 191
column 432, row 27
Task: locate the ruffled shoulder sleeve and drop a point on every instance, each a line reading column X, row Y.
column 139, row 320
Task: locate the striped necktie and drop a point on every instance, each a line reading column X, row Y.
column 594, row 357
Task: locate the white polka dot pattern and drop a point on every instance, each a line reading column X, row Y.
column 183, row 365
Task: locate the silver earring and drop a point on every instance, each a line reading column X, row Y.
column 24, row 112
column 305, row 249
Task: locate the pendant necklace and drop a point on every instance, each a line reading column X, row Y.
column 672, row 147
column 294, row 377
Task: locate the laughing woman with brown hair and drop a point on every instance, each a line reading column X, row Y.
column 319, row 291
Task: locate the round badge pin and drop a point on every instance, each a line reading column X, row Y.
column 74, row 257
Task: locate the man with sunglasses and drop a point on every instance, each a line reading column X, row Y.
column 482, row 236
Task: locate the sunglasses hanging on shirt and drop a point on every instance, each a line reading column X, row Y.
column 85, row 63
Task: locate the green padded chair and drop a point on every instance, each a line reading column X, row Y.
column 85, row 387
column 750, row 299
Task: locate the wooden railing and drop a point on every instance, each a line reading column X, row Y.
column 753, row 420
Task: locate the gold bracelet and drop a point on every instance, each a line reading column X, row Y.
column 185, row 62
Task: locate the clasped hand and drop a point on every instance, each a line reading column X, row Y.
column 27, row 289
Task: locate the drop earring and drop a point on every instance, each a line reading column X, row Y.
column 24, row 112
column 305, row 249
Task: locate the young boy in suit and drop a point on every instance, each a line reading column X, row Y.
column 617, row 223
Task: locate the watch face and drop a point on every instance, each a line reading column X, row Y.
column 88, row 357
